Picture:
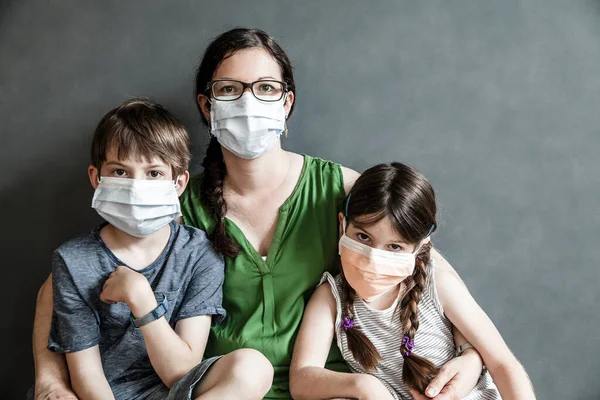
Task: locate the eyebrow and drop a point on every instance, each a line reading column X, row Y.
column 115, row 163
column 118, row 164
column 362, row 227
column 226, row 78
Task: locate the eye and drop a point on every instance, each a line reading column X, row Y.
column 395, row 247
column 119, row 172
column 155, row 174
column 266, row 88
column 363, row 237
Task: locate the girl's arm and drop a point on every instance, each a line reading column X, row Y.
column 464, row 312
column 51, row 373
column 87, row 375
column 308, row 377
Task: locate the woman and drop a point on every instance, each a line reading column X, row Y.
column 271, row 212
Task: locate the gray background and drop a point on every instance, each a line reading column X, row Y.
column 497, row 102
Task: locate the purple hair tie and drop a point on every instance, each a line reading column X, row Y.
column 347, row 323
column 409, row 344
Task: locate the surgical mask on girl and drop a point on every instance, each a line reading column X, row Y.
column 247, row 127
column 373, row 272
column 138, row 207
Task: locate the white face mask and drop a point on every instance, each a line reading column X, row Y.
column 138, row 207
column 247, row 127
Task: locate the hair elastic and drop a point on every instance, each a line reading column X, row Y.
column 409, row 344
column 347, row 323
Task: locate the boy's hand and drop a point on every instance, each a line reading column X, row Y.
column 130, row 287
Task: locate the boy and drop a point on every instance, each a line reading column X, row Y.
column 134, row 298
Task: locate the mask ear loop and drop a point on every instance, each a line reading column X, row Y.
column 346, row 213
column 424, row 241
column 285, row 99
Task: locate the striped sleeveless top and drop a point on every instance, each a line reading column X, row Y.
column 434, row 339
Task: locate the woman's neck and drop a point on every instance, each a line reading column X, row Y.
column 265, row 173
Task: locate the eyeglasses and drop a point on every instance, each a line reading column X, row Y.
column 229, row 90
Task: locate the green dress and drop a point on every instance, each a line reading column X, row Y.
column 265, row 300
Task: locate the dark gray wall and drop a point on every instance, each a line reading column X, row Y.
column 496, row 102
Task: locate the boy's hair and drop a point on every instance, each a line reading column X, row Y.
column 403, row 195
column 143, row 129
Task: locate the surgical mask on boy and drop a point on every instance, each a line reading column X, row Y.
column 372, row 272
column 247, row 127
column 138, row 207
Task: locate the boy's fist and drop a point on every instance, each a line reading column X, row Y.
column 128, row 286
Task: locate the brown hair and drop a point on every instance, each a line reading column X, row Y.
column 211, row 190
column 403, row 195
column 141, row 128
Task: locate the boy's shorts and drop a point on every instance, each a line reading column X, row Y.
column 181, row 390
column 185, row 386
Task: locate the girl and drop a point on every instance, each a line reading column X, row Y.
column 391, row 310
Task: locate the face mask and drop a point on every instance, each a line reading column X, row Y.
column 372, row 272
column 247, row 127
column 138, row 207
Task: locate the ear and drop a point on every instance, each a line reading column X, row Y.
column 289, row 102
column 181, row 182
column 341, row 223
column 94, row 175
column 204, row 103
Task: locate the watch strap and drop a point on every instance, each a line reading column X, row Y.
column 153, row 315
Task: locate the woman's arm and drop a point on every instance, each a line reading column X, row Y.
column 464, row 312
column 87, row 375
column 350, row 176
column 51, row 373
column 308, row 377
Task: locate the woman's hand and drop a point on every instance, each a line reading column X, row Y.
column 456, row 378
column 50, row 392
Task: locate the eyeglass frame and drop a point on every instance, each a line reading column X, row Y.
column 210, row 88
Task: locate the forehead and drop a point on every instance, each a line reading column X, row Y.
column 133, row 160
column 249, row 65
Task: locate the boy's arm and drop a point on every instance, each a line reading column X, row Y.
column 464, row 312
column 51, row 373
column 308, row 377
column 87, row 375
column 173, row 353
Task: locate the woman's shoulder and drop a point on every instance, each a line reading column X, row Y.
column 331, row 173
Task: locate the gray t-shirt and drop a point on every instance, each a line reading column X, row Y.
column 188, row 272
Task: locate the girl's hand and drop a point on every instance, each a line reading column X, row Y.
column 371, row 388
column 455, row 380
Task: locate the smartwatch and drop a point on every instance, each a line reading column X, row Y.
column 153, row 315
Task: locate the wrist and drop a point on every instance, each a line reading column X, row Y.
column 142, row 301
column 50, row 382
column 473, row 354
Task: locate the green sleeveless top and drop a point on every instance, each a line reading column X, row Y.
column 265, row 300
